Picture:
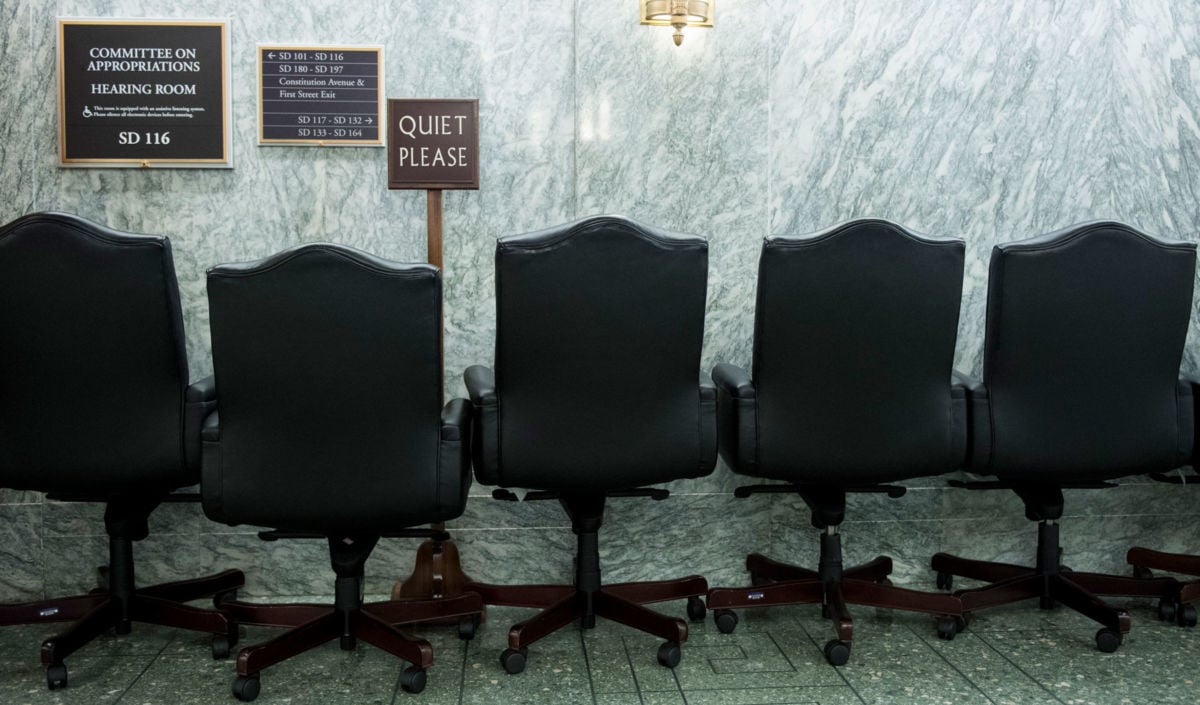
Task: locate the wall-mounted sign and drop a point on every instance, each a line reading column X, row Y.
column 433, row 143
column 320, row 95
column 143, row 93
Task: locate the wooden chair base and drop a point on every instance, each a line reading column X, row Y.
column 776, row 583
column 621, row 602
column 375, row 623
column 1145, row 560
column 1076, row 590
column 102, row 610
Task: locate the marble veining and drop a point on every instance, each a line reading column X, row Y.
column 986, row 121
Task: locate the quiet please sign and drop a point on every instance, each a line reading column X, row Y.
column 433, row 143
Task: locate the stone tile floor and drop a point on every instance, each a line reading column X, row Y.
column 1011, row 655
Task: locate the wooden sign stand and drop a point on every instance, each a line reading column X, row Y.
column 437, row 571
column 433, row 144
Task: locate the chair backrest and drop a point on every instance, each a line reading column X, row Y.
column 853, row 355
column 328, row 373
column 1085, row 333
column 599, row 330
column 92, row 360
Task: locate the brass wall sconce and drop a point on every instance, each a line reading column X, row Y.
column 678, row 14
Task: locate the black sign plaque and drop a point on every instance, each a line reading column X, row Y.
column 320, row 95
column 143, row 93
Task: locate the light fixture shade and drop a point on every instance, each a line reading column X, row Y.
column 656, row 10
column 696, row 13
column 678, row 14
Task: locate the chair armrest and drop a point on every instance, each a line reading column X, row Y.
column 960, row 418
column 1186, row 396
column 708, row 390
column 737, row 415
column 456, row 420
column 211, row 485
column 485, row 438
column 200, row 399
column 454, row 459
column 481, row 385
column 211, row 430
column 733, row 380
column 708, row 425
column 979, row 423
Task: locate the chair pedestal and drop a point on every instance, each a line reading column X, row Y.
column 1051, row 583
column 348, row 620
column 587, row 598
column 120, row 604
column 833, row 587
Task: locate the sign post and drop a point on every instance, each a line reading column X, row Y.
column 433, row 144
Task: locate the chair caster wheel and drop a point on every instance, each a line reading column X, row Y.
column 945, row 581
column 467, row 626
column 513, row 660
column 347, row 642
column 696, row 609
column 1142, row 573
column 245, row 688
column 1166, row 610
column 1185, row 616
column 726, row 621
column 56, row 676
column 669, row 654
column 837, row 653
column 949, row 627
column 1107, row 640
column 412, row 679
column 221, row 646
column 223, row 597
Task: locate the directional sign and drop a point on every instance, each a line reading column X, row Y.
column 320, row 95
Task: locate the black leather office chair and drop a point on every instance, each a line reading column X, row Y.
column 95, row 406
column 596, row 392
column 328, row 363
column 1084, row 337
column 850, row 388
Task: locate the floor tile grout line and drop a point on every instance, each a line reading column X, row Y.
column 837, row 670
column 145, row 668
column 587, row 665
column 396, row 685
column 682, row 694
column 462, row 675
column 979, row 635
column 946, row 661
column 637, row 687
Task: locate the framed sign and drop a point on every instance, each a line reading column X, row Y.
column 320, row 95
column 433, row 143
column 143, row 93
